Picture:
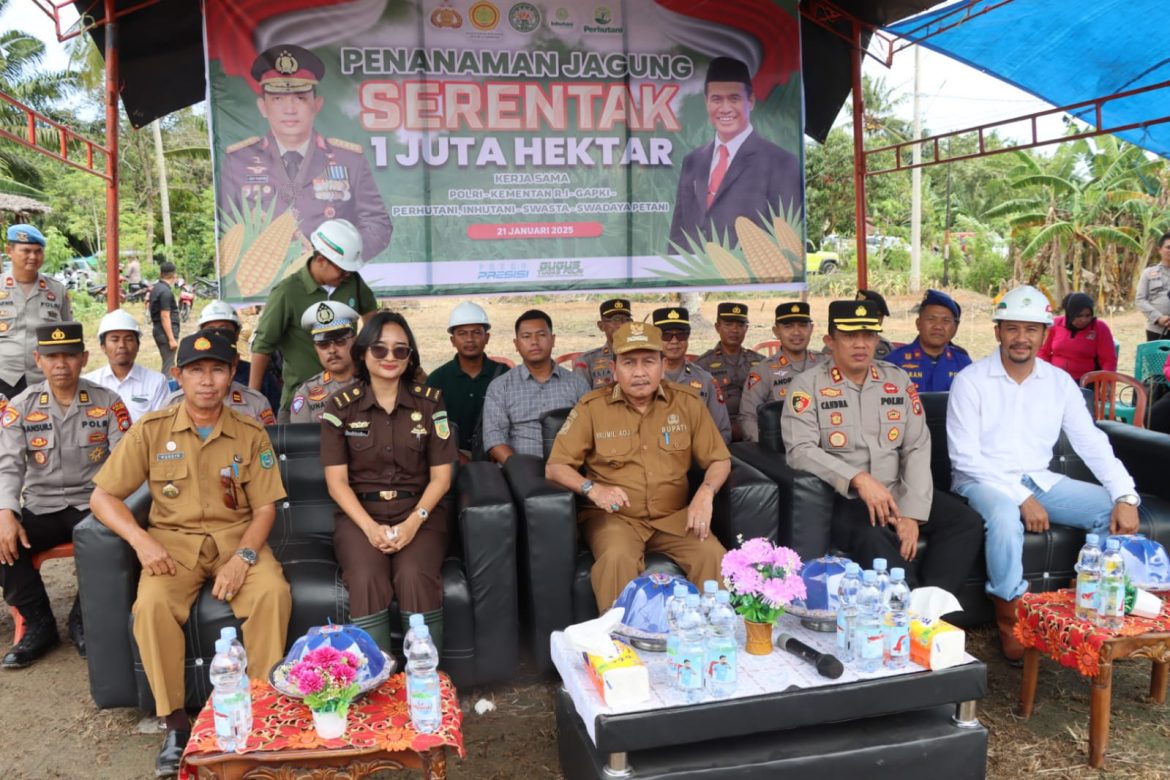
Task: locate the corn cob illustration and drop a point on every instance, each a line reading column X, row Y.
column 727, row 265
column 787, row 238
column 229, row 248
column 264, row 258
column 764, row 258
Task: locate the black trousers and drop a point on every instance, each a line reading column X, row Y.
column 22, row 584
column 953, row 533
column 11, row 391
column 1152, row 336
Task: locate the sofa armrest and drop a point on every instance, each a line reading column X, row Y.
column 805, row 501
column 1144, row 453
column 487, row 524
column 107, row 581
column 547, row 551
column 747, row 506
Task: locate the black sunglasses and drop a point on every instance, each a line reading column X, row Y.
column 399, row 351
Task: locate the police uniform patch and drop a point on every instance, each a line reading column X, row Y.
column 835, row 374
column 96, row 413
column 838, row 439
column 10, row 416
column 38, row 442
column 317, row 393
column 35, row 417
column 890, row 388
column 753, row 380
column 122, row 415
column 893, row 434
column 40, row 458
column 695, row 383
column 267, row 417
column 894, row 415
column 831, row 392
column 331, row 419
column 267, row 460
column 800, row 401
column 442, row 427
column 298, row 403
column 97, row 437
column 97, row 454
column 719, row 395
column 836, row 418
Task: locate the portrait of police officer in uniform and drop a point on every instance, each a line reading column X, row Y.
column 318, row 178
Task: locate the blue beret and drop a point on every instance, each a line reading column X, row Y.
column 936, row 298
column 25, row 234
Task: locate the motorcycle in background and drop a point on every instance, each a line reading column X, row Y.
column 186, row 300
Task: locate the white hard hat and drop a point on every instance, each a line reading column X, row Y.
column 217, row 311
column 1024, row 304
column 340, row 242
column 329, row 316
column 118, row 320
column 468, row 313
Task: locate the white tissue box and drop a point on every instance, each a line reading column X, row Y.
column 936, row 644
column 621, row 681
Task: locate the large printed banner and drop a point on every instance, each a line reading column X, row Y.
column 487, row 146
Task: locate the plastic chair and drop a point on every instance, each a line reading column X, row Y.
column 568, row 358
column 769, row 348
column 501, row 359
column 1106, row 405
column 1150, row 358
column 60, row 551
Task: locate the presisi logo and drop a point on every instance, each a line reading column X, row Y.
column 501, row 272
column 560, row 269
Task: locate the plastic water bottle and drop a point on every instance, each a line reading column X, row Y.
column 238, row 652
column 230, row 698
column 881, row 569
column 868, row 638
column 1111, row 589
column 675, row 606
column 707, row 600
column 422, row 678
column 1088, row 577
column 691, row 650
column 847, row 611
column 416, row 620
column 721, row 647
column 896, row 602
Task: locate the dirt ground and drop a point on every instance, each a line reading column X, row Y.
column 51, row 728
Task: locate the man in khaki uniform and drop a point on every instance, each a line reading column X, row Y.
column 53, row 439
column 637, row 441
column 769, row 381
column 28, row 298
column 728, row 362
column 596, row 365
column 858, row 425
column 214, row 485
column 675, row 324
column 240, row 398
column 332, row 325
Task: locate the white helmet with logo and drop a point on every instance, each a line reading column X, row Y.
column 218, row 311
column 118, row 320
column 340, row 242
column 1024, row 304
column 468, row 313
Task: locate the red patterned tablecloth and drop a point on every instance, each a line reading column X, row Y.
column 379, row 720
column 1048, row 622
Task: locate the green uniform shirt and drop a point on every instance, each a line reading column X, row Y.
column 463, row 394
column 280, row 323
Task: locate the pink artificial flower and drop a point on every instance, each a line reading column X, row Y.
column 310, row 681
column 758, row 550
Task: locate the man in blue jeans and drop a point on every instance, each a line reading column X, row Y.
column 1004, row 416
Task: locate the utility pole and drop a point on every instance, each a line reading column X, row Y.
column 916, row 186
column 164, row 194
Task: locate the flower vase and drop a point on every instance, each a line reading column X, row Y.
column 331, row 724
column 759, row 637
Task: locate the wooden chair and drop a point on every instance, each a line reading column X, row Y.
column 767, row 348
column 1107, row 405
column 60, row 551
column 501, row 359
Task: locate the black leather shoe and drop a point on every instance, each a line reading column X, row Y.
column 167, row 763
column 76, row 629
column 40, row 636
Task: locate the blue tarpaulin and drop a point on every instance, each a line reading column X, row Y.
column 1065, row 52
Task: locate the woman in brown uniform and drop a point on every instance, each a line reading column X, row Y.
column 387, row 449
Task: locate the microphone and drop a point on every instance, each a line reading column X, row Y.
column 827, row 665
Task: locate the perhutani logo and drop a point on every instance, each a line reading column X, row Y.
column 561, row 19
column 603, row 18
column 524, row 17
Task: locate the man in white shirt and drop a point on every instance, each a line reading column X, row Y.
column 142, row 389
column 1004, row 415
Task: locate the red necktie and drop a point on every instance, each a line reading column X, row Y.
column 717, row 174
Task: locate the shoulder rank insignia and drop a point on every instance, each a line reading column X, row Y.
column 349, row 146
column 332, row 420
column 238, row 145
column 835, row 374
column 237, row 397
column 346, row 397
column 83, row 397
column 43, row 399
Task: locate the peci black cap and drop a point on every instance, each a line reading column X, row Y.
column 852, row 316
column 287, row 69
column 728, row 69
column 615, row 306
column 736, row 312
column 673, row 318
column 876, row 298
column 796, row 311
column 205, row 345
column 60, row 337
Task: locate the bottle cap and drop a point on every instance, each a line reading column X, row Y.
column 852, row 568
column 1092, row 539
column 680, row 590
column 869, row 575
column 692, row 599
column 228, row 632
column 417, row 620
column 422, row 632
column 710, row 586
column 1113, row 544
column 880, row 564
column 897, row 573
column 722, row 597
column 223, row 645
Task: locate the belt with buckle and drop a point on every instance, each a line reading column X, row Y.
column 386, row 495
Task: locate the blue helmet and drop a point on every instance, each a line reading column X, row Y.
column 821, row 579
column 644, row 601
column 1146, row 564
column 341, row 637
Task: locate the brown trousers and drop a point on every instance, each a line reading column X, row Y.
column 620, row 544
column 413, row 574
column 164, row 603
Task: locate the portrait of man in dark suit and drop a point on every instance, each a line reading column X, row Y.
column 739, row 173
column 318, row 178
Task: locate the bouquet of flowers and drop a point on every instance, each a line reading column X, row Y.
column 327, row 678
column 763, row 578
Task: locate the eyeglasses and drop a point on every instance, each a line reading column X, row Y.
column 229, row 488
column 322, row 343
column 675, row 335
column 399, row 351
column 621, row 319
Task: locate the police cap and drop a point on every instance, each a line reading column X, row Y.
column 286, row 69
column 205, row 345
column 60, row 337
column 852, row 316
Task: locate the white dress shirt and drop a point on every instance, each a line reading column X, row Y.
column 999, row 431
column 732, row 147
column 143, row 390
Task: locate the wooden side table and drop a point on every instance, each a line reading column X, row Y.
column 284, row 745
column 1048, row 625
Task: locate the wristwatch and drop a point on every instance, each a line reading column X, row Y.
column 247, row 555
column 1129, row 498
column 586, row 486
column 424, row 514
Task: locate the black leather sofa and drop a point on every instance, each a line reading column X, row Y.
column 806, row 502
column 554, row 564
column 481, row 627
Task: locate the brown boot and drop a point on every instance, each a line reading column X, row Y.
column 1005, row 621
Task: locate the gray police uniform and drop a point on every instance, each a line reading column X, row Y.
column 309, row 400
column 1153, row 298
column 730, row 373
column 698, row 379
column 333, row 182
column 20, row 314
column 596, row 366
column 766, row 383
column 242, row 400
